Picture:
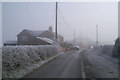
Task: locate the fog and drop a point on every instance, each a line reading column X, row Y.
column 0, row 24
column 81, row 17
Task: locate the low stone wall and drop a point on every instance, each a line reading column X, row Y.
column 18, row 57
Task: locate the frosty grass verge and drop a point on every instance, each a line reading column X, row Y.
column 18, row 61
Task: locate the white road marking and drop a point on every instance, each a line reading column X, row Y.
column 83, row 72
column 82, row 68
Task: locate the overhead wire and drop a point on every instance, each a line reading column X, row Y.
column 65, row 22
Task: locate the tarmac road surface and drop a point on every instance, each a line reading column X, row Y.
column 77, row 64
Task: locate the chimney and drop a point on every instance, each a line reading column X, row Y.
column 50, row 28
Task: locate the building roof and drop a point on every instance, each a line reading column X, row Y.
column 46, row 40
column 37, row 33
column 34, row 33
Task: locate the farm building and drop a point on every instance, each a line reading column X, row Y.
column 30, row 37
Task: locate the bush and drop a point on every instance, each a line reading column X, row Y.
column 19, row 56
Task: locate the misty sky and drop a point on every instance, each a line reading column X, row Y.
column 0, row 24
column 78, row 16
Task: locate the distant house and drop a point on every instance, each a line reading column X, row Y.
column 30, row 37
column 60, row 38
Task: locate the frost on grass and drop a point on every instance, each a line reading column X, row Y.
column 21, row 58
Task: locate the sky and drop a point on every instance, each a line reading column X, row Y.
column 0, row 24
column 81, row 17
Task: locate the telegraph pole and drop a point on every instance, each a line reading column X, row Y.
column 56, row 22
column 97, row 35
column 74, row 37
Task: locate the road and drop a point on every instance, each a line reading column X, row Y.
column 77, row 64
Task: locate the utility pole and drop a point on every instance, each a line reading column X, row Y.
column 81, row 37
column 74, row 37
column 56, row 22
column 97, row 35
